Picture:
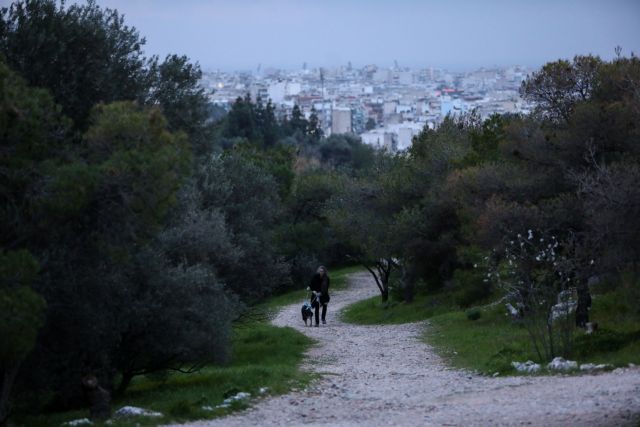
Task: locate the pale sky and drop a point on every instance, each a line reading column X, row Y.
column 456, row 34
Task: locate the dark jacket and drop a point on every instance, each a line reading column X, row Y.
column 321, row 284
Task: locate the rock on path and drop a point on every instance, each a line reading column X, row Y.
column 384, row 375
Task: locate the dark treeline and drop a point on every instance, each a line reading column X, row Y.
column 139, row 221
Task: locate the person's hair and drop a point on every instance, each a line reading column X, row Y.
column 322, row 268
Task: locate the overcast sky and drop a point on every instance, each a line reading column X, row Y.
column 456, row 34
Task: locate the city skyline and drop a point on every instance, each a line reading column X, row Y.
column 457, row 35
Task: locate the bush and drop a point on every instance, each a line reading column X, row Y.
column 471, row 287
column 473, row 314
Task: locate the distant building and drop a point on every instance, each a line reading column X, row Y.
column 394, row 137
column 406, row 132
column 293, row 88
column 382, row 76
column 405, row 77
column 258, row 91
column 389, row 107
column 446, row 105
column 341, row 120
column 277, row 92
column 380, row 139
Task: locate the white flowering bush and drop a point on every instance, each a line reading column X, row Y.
column 539, row 279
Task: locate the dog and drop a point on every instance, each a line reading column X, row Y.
column 307, row 308
column 307, row 313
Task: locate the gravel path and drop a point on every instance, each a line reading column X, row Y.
column 384, row 375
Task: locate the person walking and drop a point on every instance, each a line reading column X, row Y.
column 320, row 286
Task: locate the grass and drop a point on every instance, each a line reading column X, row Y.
column 618, row 339
column 483, row 339
column 492, row 342
column 372, row 311
column 488, row 344
column 263, row 356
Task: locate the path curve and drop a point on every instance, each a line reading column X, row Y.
column 384, row 375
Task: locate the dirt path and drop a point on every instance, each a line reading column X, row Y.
column 384, row 375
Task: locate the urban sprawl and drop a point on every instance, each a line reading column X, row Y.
column 386, row 107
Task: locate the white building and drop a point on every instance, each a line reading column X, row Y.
column 293, row 88
column 382, row 76
column 379, row 138
column 389, row 107
column 341, row 120
column 394, row 137
column 405, row 77
column 277, row 92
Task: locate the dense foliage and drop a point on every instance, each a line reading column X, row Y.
column 137, row 222
column 443, row 215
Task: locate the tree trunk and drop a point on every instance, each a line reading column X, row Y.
column 385, row 294
column 584, row 304
column 8, row 378
column 408, row 292
column 124, row 383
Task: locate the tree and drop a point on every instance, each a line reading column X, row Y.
column 362, row 214
column 612, row 209
column 298, row 123
column 173, row 86
column 178, row 318
column 83, row 54
column 346, row 152
column 33, row 141
column 560, row 85
column 277, row 161
column 98, row 206
column 313, row 126
column 21, row 316
column 538, row 274
column 371, row 124
column 247, row 196
column 305, row 236
column 268, row 127
column 241, row 120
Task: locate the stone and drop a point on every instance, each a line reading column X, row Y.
column 560, row 364
column 239, row 396
column 593, row 367
column 512, row 310
column 78, row 422
column 529, row 367
column 133, row 411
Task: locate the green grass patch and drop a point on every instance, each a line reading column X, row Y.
column 264, row 356
column 373, row 311
column 617, row 340
column 488, row 344
column 491, row 342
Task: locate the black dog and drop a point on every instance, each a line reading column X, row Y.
column 307, row 313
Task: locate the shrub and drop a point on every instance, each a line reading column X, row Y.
column 473, row 314
column 471, row 287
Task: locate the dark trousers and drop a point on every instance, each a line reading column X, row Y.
column 324, row 312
